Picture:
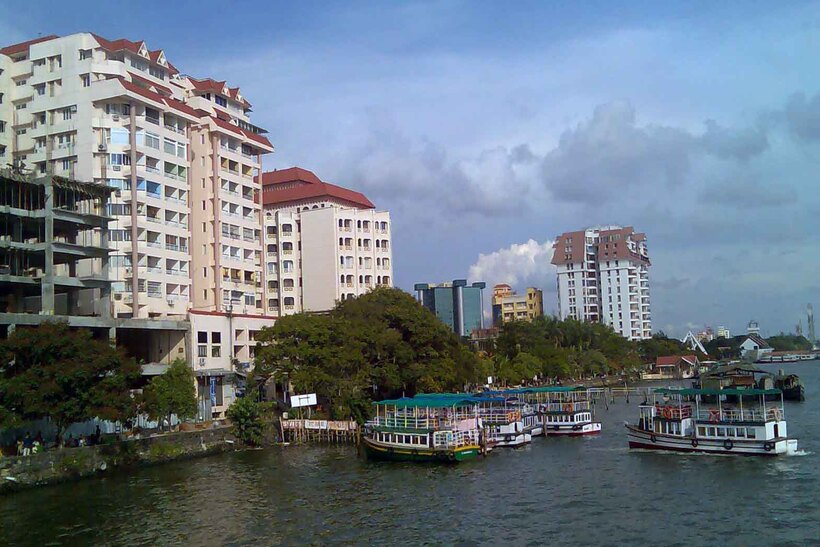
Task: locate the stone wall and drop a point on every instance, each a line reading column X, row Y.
column 71, row 463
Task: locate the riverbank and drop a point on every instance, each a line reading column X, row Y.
column 54, row 466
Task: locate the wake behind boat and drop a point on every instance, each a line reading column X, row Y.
column 677, row 420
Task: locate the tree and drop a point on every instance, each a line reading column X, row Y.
column 246, row 415
column 789, row 342
column 172, row 392
column 54, row 372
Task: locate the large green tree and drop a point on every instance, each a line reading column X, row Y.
column 54, row 372
column 172, row 392
column 381, row 344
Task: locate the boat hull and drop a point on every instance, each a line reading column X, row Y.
column 381, row 451
column 590, row 428
column 639, row 438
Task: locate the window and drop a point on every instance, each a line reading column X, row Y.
column 751, row 433
column 216, row 351
column 120, row 135
column 67, row 114
column 85, row 79
column 202, row 337
column 202, row 351
column 85, row 54
column 221, row 101
column 151, row 140
column 66, row 164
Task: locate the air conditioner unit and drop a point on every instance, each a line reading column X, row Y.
column 73, row 108
column 201, row 361
column 116, row 167
column 118, row 193
column 127, row 271
column 170, row 302
column 115, row 117
column 117, row 296
column 102, row 148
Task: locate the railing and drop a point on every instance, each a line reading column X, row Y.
column 154, row 244
column 672, row 412
column 455, row 439
column 716, row 415
column 154, row 121
column 154, row 269
column 499, row 415
column 564, row 407
column 175, row 129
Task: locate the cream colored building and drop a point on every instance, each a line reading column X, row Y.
column 322, row 243
column 509, row 306
column 181, row 153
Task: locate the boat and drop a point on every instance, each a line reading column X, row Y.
column 568, row 411
column 678, row 420
column 791, row 386
column 433, row 428
column 503, row 422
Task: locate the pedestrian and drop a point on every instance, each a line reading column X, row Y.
column 97, row 435
column 28, row 444
column 19, row 447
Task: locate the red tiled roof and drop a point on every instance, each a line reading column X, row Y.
column 215, row 86
column 673, row 359
column 23, row 46
column 122, row 43
column 239, row 131
column 156, row 97
column 308, row 186
column 146, row 81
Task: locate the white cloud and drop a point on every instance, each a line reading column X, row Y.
column 518, row 265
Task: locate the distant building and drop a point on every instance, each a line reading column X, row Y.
column 753, row 327
column 323, row 243
column 603, row 276
column 509, row 306
column 723, row 332
column 456, row 304
column 754, row 347
column 673, row 367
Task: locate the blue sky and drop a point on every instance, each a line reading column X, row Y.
column 488, row 128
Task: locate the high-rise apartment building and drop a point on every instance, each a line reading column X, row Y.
column 457, row 305
column 510, row 306
column 180, row 152
column 322, row 243
column 603, row 275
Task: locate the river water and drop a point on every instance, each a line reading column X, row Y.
column 566, row 491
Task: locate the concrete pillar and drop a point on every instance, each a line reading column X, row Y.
column 47, row 281
column 135, row 302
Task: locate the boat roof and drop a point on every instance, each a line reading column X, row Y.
column 725, row 391
column 735, row 368
column 543, row 389
column 430, row 401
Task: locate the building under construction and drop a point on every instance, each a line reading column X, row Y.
column 54, row 252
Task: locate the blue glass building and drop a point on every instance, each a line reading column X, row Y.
column 458, row 305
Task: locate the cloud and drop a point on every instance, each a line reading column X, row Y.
column 748, row 194
column 802, row 116
column 518, row 265
column 610, row 154
column 741, row 144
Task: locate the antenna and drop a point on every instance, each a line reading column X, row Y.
column 810, row 323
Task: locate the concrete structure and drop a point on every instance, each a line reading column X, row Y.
column 54, row 264
column 322, row 243
column 673, row 367
column 754, row 347
column 224, row 348
column 603, row 275
column 180, row 152
column 509, row 306
column 723, row 332
column 753, row 328
column 459, row 306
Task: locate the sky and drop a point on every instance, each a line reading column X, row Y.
column 489, row 128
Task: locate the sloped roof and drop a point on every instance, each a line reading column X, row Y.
column 667, row 360
column 239, row 131
column 134, row 47
column 218, row 86
column 299, row 184
column 148, row 94
column 14, row 49
column 757, row 339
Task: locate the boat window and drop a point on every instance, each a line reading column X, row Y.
column 712, row 432
column 701, row 431
column 721, row 432
column 730, row 431
column 751, row 433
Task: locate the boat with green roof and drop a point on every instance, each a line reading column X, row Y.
column 427, row 428
column 739, row 421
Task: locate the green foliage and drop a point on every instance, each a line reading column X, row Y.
column 247, row 417
column 554, row 348
column 725, row 348
column 660, row 346
column 789, row 342
column 382, row 344
column 75, row 463
column 65, row 375
column 172, row 392
column 161, row 451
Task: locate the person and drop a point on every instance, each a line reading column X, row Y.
column 19, row 447
column 97, row 435
column 28, row 444
column 37, row 448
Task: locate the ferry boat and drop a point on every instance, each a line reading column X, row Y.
column 432, row 428
column 568, row 411
column 521, row 399
column 503, row 422
column 678, row 420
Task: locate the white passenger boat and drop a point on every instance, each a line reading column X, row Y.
column 568, row 412
column 678, row 420
column 503, row 425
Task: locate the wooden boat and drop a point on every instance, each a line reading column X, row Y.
column 678, row 420
column 791, row 385
column 432, row 428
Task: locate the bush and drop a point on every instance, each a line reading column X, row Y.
column 247, row 418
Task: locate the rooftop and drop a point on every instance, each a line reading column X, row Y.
column 297, row 184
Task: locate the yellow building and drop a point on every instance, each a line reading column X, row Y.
column 509, row 306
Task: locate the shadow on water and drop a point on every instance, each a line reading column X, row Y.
column 566, row 490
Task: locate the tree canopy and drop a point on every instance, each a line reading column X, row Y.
column 52, row 371
column 172, row 392
column 382, row 344
column 789, row 342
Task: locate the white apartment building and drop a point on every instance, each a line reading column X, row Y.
column 603, row 275
column 117, row 113
column 322, row 243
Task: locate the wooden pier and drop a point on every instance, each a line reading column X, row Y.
column 319, row 431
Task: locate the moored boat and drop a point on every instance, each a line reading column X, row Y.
column 568, row 411
column 433, row 428
column 681, row 422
